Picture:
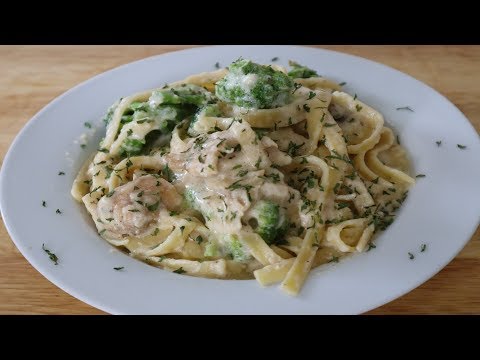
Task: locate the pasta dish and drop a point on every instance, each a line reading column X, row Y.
column 250, row 171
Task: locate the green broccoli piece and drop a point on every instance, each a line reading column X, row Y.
column 191, row 199
column 198, row 127
column 125, row 119
column 129, row 114
column 181, row 94
column 165, row 118
column 254, row 86
column 137, row 105
column 269, row 221
column 235, row 248
column 300, row 71
column 192, row 202
column 132, row 147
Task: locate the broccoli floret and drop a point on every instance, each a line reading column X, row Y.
column 269, row 221
column 137, row 105
column 132, row 147
column 200, row 123
column 128, row 115
column 254, row 86
column 166, row 108
column 191, row 199
column 192, row 202
column 181, row 94
column 300, row 71
column 165, row 118
column 235, row 249
column 125, row 119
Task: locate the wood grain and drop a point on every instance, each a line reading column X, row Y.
column 32, row 76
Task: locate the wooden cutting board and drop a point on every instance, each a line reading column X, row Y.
column 32, row 76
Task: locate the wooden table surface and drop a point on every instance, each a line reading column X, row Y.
column 32, row 76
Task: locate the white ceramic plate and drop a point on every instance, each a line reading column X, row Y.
column 441, row 211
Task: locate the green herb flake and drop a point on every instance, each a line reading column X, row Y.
column 293, row 148
column 51, row 255
column 342, row 205
column 242, row 173
column 371, row 246
column 296, row 87
column 199, row 239
column 217, row 65
column 405, row 108
column 153, row 207
column 274, row 59
column 423, row 247
column 44, row 203
column 87, row 125
column 420, row 176
column 119, row 268
column 343, row 83
column 179, row 271
column 461, row 146
column 358, row 107
column 411, row 256
column 439, row 142
column 334, row 259
column 168, row 173
column 58, row 211
column 61, row 173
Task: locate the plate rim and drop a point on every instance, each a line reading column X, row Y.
column 50, row 276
